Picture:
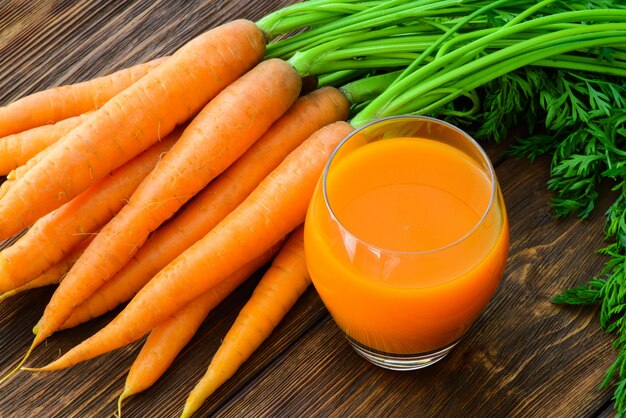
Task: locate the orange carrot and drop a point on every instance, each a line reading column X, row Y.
column 18, row 172
column 54, row 235
column 217, row 200
column 276, row 293
column 56, row 104
column 17, row 149
column 132, row 121
column 4, row 187
column 220, row 134
column 54, row 274
column 168, row 339
column 272, row 210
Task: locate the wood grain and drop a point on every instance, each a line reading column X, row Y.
column 524, row 357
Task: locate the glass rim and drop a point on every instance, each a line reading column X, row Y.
column 492, row 177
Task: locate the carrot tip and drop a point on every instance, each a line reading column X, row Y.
column 125, row 394
column 20, row 364
column 188, row 411
column 191, row 406
column 39, row 336
column 33, row 369
column 11, row 373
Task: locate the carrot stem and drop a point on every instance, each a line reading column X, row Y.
column 366, row 89
column 310, row 13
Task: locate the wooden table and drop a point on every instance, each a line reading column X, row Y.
column 524, row 357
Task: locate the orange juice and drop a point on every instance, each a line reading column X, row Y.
column 406, row 243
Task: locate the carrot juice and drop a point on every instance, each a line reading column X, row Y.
column 406, row 241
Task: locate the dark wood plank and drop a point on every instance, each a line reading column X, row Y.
column 524, row 357
column 607, row 411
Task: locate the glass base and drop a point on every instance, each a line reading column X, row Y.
column 400, row 361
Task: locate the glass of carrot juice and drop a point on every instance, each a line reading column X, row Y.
column 406, row 239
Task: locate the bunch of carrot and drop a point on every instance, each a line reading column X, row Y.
column 151, row 144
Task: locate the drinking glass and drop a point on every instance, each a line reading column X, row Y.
column 406, row 238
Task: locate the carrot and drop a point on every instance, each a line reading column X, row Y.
column 220, row 134
column 54, row 235
column 168, row 339
column 56, row 104
column 132, row 121
column 272, row 210
column 18, row 148
column 19, row 172
column 4, row 187
column 217, row 200
column 54, row 274
column 276, row 293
